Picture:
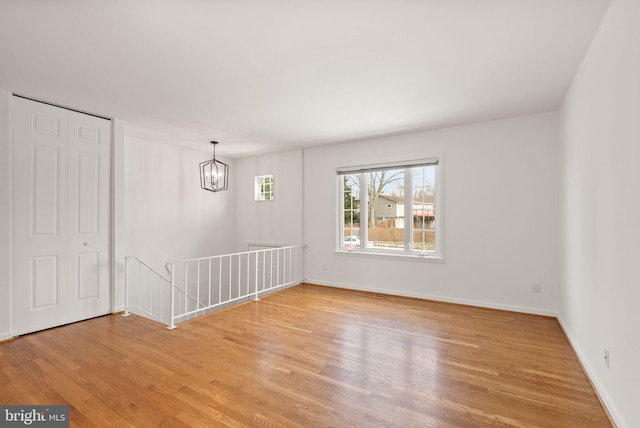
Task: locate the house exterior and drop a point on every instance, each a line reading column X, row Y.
column 389, row 212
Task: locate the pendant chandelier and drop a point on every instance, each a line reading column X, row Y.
column 214, row 175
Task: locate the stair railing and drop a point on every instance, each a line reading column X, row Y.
column 151, row 295
column 201, row 285
column 220, row 281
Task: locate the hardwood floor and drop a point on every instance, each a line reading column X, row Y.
column 309, row 356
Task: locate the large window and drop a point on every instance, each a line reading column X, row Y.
column 391, row 209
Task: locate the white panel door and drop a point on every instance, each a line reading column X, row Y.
column 60, row 216
column 88, row 217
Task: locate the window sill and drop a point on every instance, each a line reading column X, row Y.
column 383, row 255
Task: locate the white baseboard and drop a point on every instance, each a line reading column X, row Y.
column 479, row 303
column 5, row 335
column 600, row 390
column 116, row 309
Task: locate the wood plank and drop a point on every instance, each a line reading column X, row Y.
column 309, row 356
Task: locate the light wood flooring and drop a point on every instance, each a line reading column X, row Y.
column 309, row 356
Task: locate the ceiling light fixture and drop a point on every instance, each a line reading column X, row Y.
column 214, row 175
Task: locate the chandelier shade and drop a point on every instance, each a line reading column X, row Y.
column 214, row 175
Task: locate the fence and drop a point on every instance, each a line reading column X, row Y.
column 198, row 286
column 397, row 235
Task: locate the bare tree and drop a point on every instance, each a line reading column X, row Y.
column 351, row 200
column 425, row 194
column 376, row 186
column 423, row 189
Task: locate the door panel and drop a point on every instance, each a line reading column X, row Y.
column 87, row 134
column 44, row 287
column 88, row 193
column 61, row 176
column 87, row 276
column 45, row 125
column 45, row 177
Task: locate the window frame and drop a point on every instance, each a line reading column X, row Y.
column 259, row 193
column 407, row 252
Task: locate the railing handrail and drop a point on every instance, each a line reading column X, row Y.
column 237, row 254
column 149, row 267
column 164, row 278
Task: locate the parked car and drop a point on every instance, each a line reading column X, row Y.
column 351, row 242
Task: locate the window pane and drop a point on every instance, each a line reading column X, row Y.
column 424, row 208
column 398, row 219
column 386, row 222
column 264, row 188
column 351, row 211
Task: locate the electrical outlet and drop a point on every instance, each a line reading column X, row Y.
column 536, row 287
column 606, row 358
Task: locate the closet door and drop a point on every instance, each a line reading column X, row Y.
column 61, row 173
column 88, row 216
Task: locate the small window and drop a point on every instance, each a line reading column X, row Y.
column 264, row 188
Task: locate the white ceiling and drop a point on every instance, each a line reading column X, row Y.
column 263, row 76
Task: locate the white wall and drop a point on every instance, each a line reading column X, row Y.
column 600, row 136
column 500, row 215
column 279, row 220
column 167, row 216
column 5, row 215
